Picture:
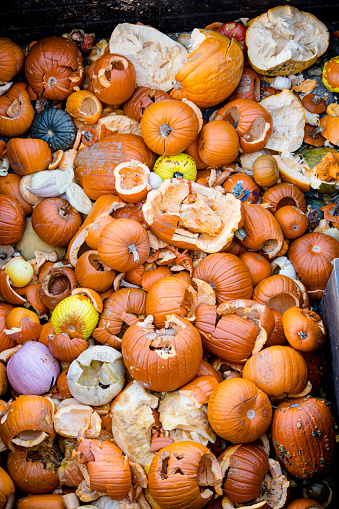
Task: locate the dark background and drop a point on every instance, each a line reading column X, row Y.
column 26, row 20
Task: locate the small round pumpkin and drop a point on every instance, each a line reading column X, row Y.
column 293, row 222
column 112, row 79
column 331, row 74
column 263, row 231
column 28, row 156
column 265, row 171
column 238, row 411
column 123, row 245
column 55, row 221
column 218, row 143
column 94, row 231
column 284, row 194
column 314, row 103
column 303, row 329
column 259, row 267
column 12, row 220
column 90, row 273
column 177, row 166
column 83, row 105
column 56, row 127
column 277, row 370
column 11, row 59
column 169, row 127
column 243, row 187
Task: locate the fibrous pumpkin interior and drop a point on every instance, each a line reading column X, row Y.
column 285, row 40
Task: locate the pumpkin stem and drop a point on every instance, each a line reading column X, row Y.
column 165, row 130
column 302, row 334
column 177, row 175
column 314, row 133
column 132, row 249
column 316, row 99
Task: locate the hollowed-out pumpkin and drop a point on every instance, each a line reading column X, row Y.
column 263, row 231
column 141, row 99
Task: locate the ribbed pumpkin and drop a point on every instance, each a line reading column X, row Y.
column 6, row 341
column 262, row 231
column 12, row 220
column 293, row 222
column 277, row 336
column 10, row 185
column 28, row 156
column 330, row 75
column 83, row 105
column 238, row 411
column 162, row 360
column 218, row 143
column 277, row 370
column 311, row 256
column 258, row 266
column 141, row 99
column 265, row 171
column 303, row 329
column 302, row 434
column 180, row 474
column 7, row 488
column 123, row 245
column 90, row 273
column 284, row 194
column 304, row 503
column 212, row 70
column 16, row 111
column 278, row 292
column 243, row 187
column 248, row 466
column 11, row 59
column 228, row 276
column 54, row 68
column 169, row 127
column 76, row 316
column 55, row 127
column 170, row 296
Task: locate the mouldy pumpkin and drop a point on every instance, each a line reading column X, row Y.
column 302, row 434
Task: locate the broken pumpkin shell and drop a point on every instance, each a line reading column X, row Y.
column 50, row 183
column 199, row 389
column 131, row 181
column 262, row 230
column 96, row 376
column 283, row 266
column 30, row 242
column 85, row 106
column 69, row 420
column 279, row 292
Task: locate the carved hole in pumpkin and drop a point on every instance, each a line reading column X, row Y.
column 15, row 109
column 93, row 259
column 257, row 131
column 88, row 106
column 281, row 302
column 287, row 200
column 58, row 284
column 206, row 474
column 119, row 64
column 49, row 456
column 177, row 470
column 164, row 458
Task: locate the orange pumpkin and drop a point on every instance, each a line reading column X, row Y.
column 146, row 275
column 84, row 106
column 175, row 352
column 94, row 231
column 218, row 143
column 212, row 70
column 249, row 86
column 265, row 171
column 169, row 127
column 243, row 187
column 16, row 111
column 131, row 181
column 141, row 99
column 12, row 220
column 238, row 411
column 284, row 194
column 28, row 155
column 123, row 245
column 302, row 435
column 228, row 276
column 279, row 292
column 10, row 185
column 7, row 488
column 193, row 151
column 54, row 68
column 277, row 370
column 90, row 273
column 293, row 222
column 11, row 59
column 6, row 341
column 277, row 336
column 55, row 221
column 254, row 123
column 311, row 256
column 258, row 266
column 263, row 231
column 303, row 329
column 41, row 502
column 24, row 323
column 304, row 503
column 112, row 78
column 64, row 348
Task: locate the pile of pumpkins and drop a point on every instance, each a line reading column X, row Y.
column 162, row 247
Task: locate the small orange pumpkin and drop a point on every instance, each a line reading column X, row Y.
column 218, row 143
column 28, row 155
column 293, row 222
column 12, row 220
column 265, row 171
column 84, row 106
column 258, row 266
column 303, row 329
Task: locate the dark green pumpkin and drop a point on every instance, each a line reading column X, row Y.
column 55, row 127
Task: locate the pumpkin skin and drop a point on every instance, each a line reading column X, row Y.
column 160, row 365
column 12, row 220
column 10, row 186
column 55, row 127
column 55, row 221
column 6, row 341
column 277, row 336
column 101, row 159
column 265, row 171
column 251, row 118
column 303, row 329
column 202, row 78
column 28, row 156
column 262, row 231
column 90, row 273
column 249, row 86
column 311, row 257
column 172, row 490
column 277, row 370
column 170, row 296
column 238, row 411
column 41, row 502
column 302, row 435
column 141, row 99
column 11, row 59
column 192, row 150
column 16, row 111
column 247, row 469
column 284, row 194
column 178, row 166
column 112, row 78
column 83, row 105
column 123, row 245
column 53, row 68
column 258, row 266
column 243, row 187
column 278, row 292
column 304, row 503
column 7, row 487
column 331, row 75
column 293, row 222
column 169, row 127
column 218, row 143
column 228, row 276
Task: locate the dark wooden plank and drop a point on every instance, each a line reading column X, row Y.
column 330, row 313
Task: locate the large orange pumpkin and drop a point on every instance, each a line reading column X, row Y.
column 54, row 68
column 238, row 411
column 212, row 70
column 11, row 59
column 302, row 434
column 28, row 155
column 169, row 127
column 218, row 143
